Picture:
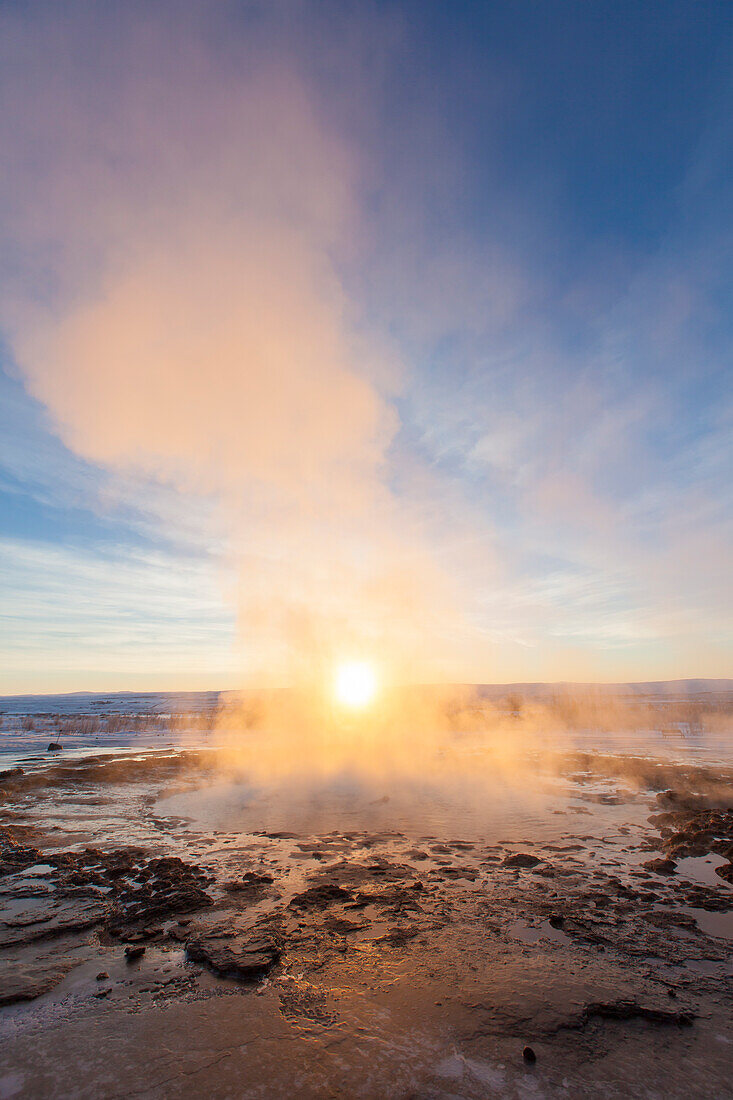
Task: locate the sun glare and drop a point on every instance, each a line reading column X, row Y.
column 355, row 684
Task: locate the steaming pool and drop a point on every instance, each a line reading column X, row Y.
column 534, row 807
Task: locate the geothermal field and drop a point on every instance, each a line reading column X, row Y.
column 521, row 892
column 366, row 528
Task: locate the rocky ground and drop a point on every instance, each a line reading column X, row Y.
column 387, row 963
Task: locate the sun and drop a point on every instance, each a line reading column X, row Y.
column 355, row 684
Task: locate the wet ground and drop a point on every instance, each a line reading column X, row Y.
column 563, row 928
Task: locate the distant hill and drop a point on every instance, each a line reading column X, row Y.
column 648, row 689
column 160, row 702
column 105, row 702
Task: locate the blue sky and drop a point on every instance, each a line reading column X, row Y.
column 412, row 321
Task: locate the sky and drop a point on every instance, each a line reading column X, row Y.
column 398, row 331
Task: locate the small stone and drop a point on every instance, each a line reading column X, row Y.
column 54, row 746
column 529, row 1055
column 132, row 953
column 102, row 975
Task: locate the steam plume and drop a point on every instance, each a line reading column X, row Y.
column 190, row 210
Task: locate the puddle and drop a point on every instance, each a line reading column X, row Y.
column 702, row 869
column 719, row 925
column 534, row 933
column 712, row 924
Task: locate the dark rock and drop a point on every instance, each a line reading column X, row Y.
column 694, row 825
column 170, row 886
column 395, row 899
column 141, row 895
column 15, row 856
column 10, row 774
column 51, row 915
column 318, row 897
column 470, row 873
column 341, row 926
column 117, row 864
column 258, row 879
column 725, row 871
column 252, row 885
column 23, row 982
column 682, row 801
column 143, row 935
column 54, row 746
column 529, row 1055
column 661, row 866
column 398, row 937
column 556, row 920
column 132, row 953
column 670, row 919
column 102, row 976
column 235, row 956
column 520, row 859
